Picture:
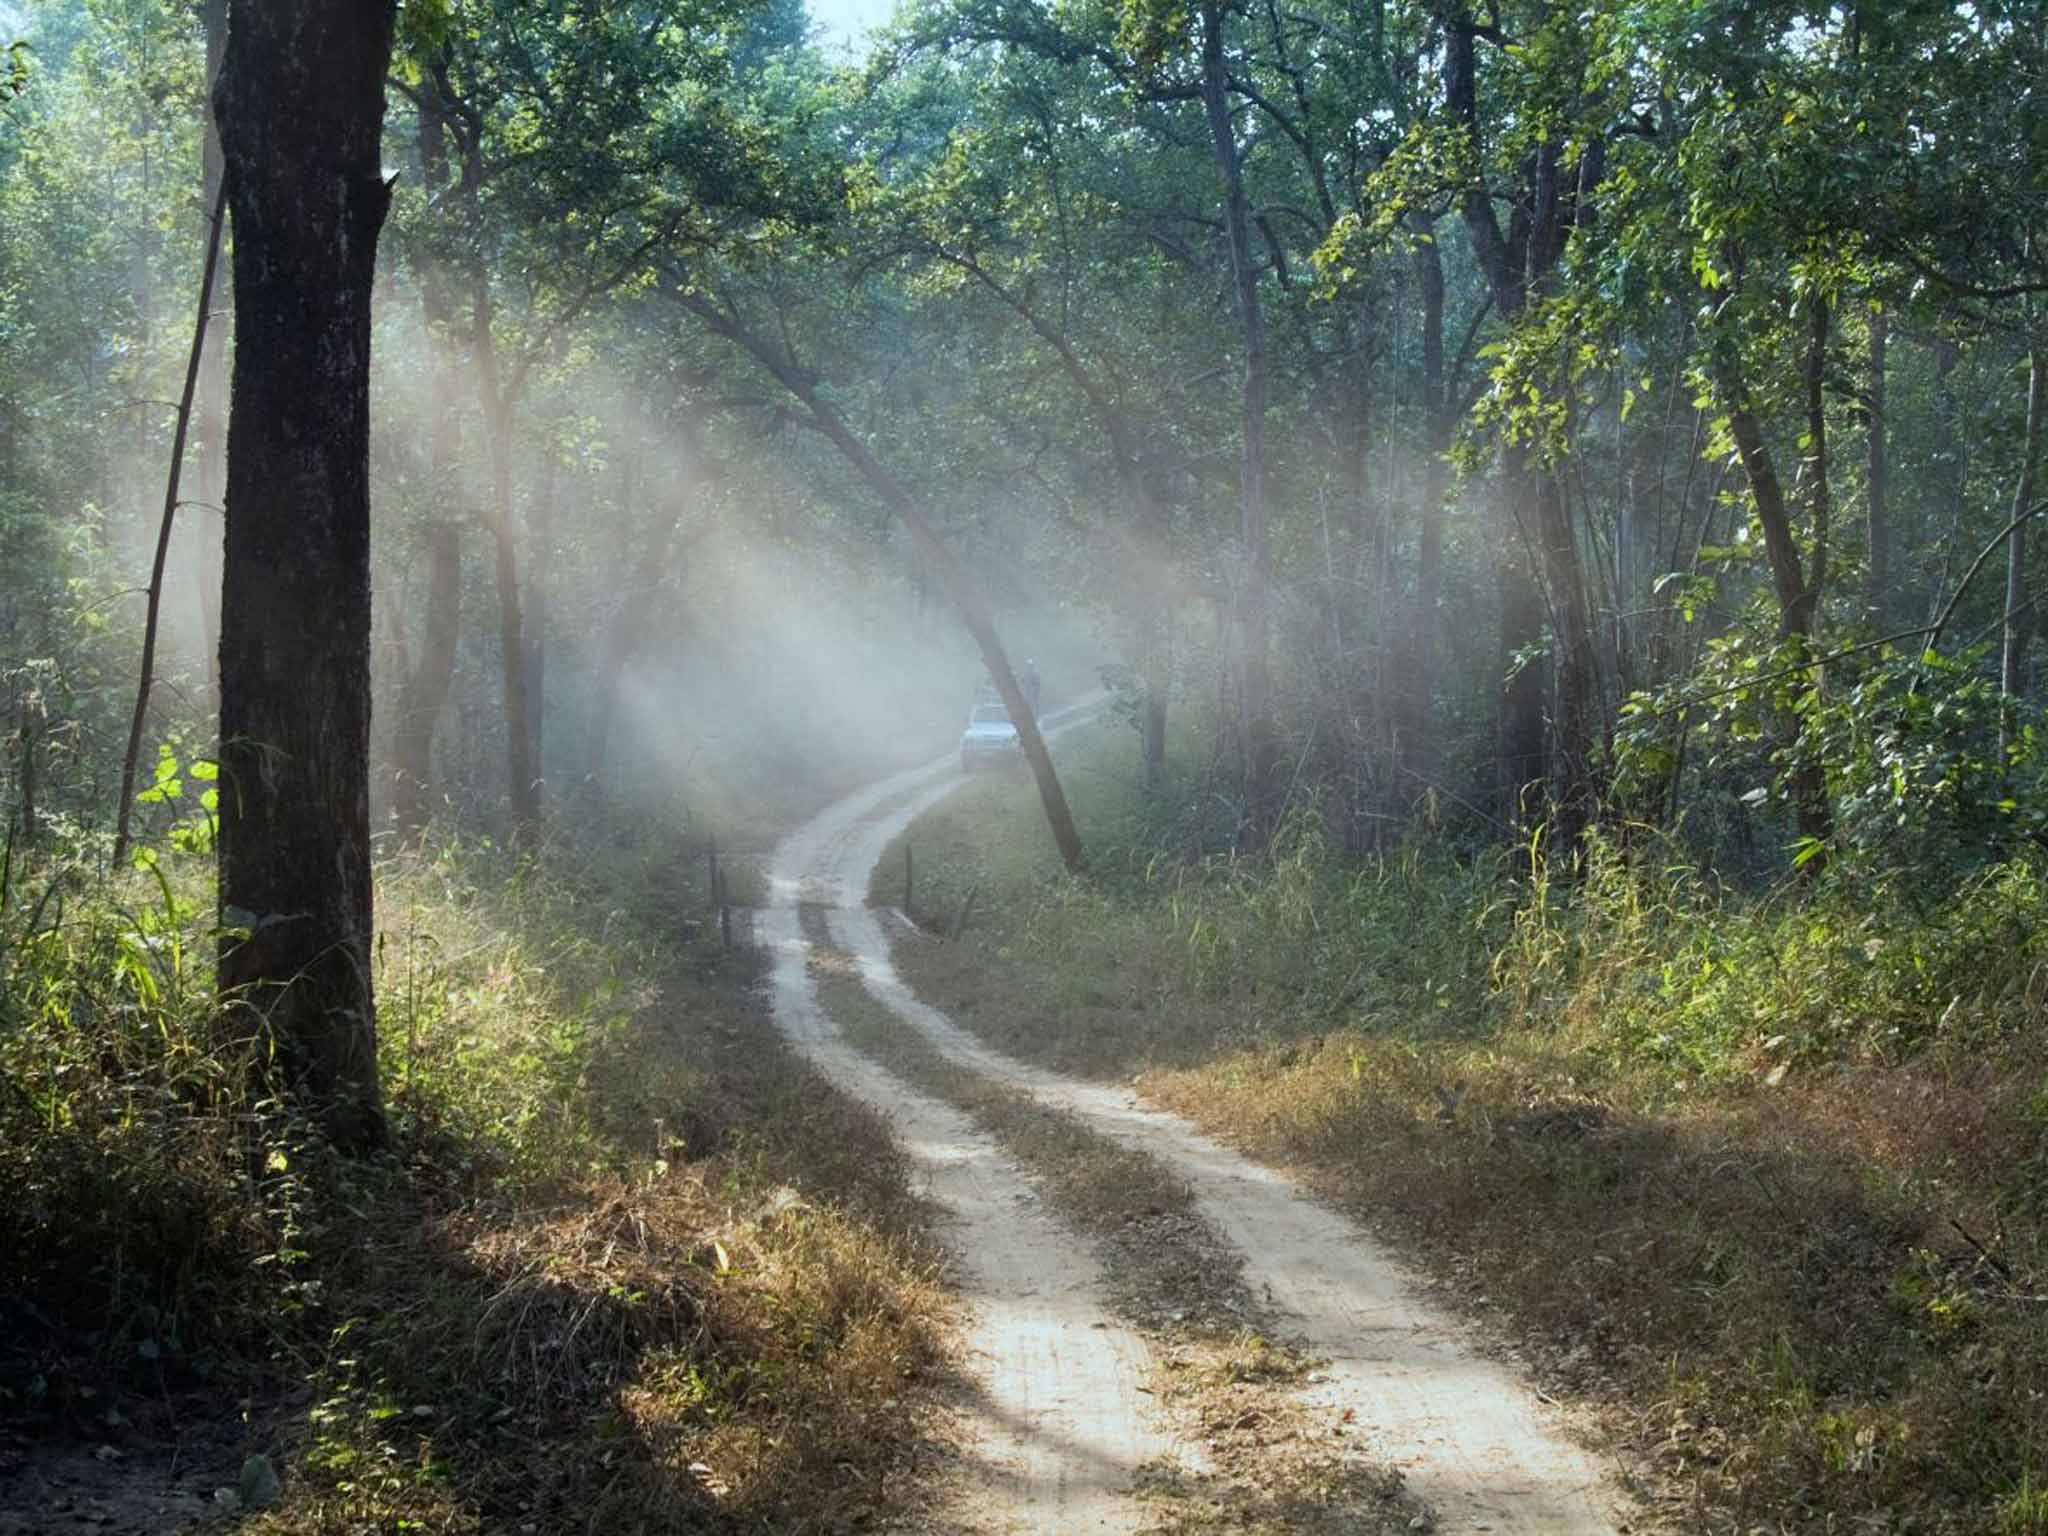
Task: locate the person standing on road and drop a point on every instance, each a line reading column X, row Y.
column 1027, row 680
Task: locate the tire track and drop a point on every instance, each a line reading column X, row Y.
column 1473, row 1442
column 1060, row 1428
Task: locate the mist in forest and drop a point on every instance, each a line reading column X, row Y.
column 707, row 643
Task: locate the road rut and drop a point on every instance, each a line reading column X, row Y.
column 1060, row 1428
column 1474, row 1443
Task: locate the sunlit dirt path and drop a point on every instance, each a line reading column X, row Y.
column 1060, row 1427
column 1474, row 1443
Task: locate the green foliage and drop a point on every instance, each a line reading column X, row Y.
column 14, row 74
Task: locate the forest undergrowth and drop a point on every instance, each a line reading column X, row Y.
column 626, row 1265
column 1756, row 1173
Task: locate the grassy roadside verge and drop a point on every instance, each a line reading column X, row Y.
column 629, row 1265
column 1224, row 1377
column 1758, row 1177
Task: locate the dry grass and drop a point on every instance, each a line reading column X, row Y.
column 632, row 1267
column 1810, row 1297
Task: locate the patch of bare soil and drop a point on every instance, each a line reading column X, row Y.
column 1056, row 1430
column 170, row 1479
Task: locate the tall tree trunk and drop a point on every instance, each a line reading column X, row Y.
column 425, row 693
column 522, row 784
column 1538, row 525
column 1878, row 523
column 1524, row 738
column 427, row 684
column 540, row 514
column 1254, row 683
column 1418, row 681
column 2014, row 649
column 301, row 108
column 213, row 369
column 1796, row 592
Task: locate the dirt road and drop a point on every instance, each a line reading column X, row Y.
column 1474, row 1444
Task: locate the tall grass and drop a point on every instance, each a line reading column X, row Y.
column 625, row 1263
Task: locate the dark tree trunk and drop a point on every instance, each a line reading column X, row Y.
column 1514, row 268
column 1418, row 680
column 522, row 784
column 1879, row 525
column 301, row 107
column 213, row 370
column 1254, row 683
column 424, row 696
column 1524, row 751
column 425, row 693
column 2015, row 639
column 540, row 516
column 1797, row 593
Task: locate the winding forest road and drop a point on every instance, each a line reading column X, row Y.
column 1065, row 1428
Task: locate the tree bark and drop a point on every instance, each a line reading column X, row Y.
column 213, row 368
column 1419, row 676
column 540, row 514
column 424, row 696
column 1538, row 543
column 522, row 784
column 1254, row 682
column 425, row 693
column 1878, row 524
column 301, row 108
column 1797, row 596
column 2013, row 652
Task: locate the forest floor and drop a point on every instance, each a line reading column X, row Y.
column 1164, row 1335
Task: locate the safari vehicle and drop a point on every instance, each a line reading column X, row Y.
column 991, row 736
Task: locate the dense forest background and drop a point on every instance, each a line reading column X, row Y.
column 1499, row 412
column 1551, row 493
